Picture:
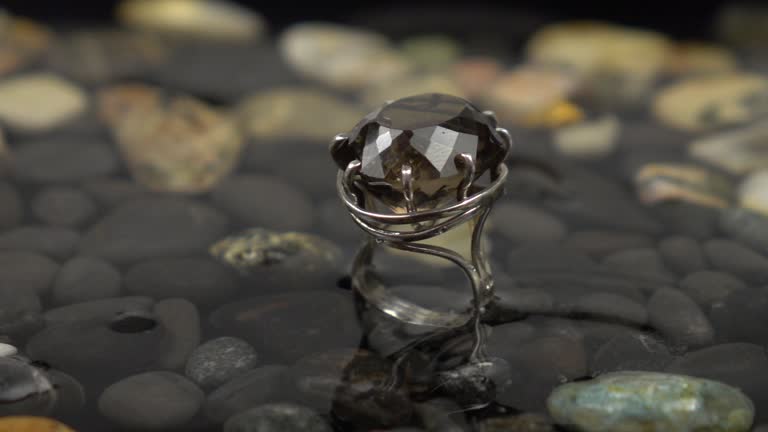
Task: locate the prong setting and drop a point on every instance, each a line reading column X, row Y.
column 465, row 163
column 492, row 116
column 406, row 178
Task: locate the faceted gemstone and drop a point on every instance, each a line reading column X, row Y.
column 426, row 132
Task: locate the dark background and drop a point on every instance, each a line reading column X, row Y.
column 677, row 18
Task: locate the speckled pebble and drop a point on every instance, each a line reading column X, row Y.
column 650, row 401
column 220, row 360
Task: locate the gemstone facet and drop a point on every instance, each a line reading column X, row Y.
column 427, row 133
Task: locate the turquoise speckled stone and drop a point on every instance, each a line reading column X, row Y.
column 650, row 402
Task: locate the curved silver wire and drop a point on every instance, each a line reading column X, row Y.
column 424, row 225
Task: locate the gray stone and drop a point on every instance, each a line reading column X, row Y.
column 634, row 401
column 742, row 365
column 83, row 279
column 746, row 226
column 742, row 316
column 688, row 219
column 679, row 318
column 110, row 192
column 682, row 254
column 636, row 261
column 19, row 312
column 11, row 207
column 533, row 257
column 630, row 352
column 256, row 387
column 611, row 307
column 307, row 322
column 707, row 287
column 69, row 391
column 27, row 271
column 152, row 228
column 200, row 280
column 526, row 422
column 65, row 159
column 151, row 401
column 54, row 242
column 602, row 243
column 280, row 206
column 220, row 360
column 733, row 257
column 24, row 389
column 181, row 321
column 282, row 417
column 100, row 310
column 524, row 224
column 63, row 206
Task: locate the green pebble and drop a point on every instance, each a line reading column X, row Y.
column 650, row 402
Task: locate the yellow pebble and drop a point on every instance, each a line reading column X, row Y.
column 31, row 424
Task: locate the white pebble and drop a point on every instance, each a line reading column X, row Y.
column 7, row 350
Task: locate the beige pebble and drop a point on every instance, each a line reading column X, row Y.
column 737, row 151
column 589, row 139
column 660, row 182
column 753, row 192
column 31, row 424
column 39, row 102
column 210, row 19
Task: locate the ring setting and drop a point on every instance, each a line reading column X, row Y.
column 409, row 172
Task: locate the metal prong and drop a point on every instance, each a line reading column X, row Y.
column 406, row 177
column 349, row 180
column 506, row 136
column 338, row 141
column 492, row 115
column 466, row 164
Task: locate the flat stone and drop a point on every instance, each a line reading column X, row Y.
column 339, row 56
column 291, row 113
column 708, row 102
column 151, row 401
column 83, row 279
column 746, row 227
column 21, row 107
column 742, row 316
column 735, row 258
column 202, row 281
column 110, row 191
column 70, row 392
column 220, row 360
column 663, row 181
column 217, row 20
column 536, row 257
column 282, row 417
column 308, row 322
column 637, row 261
column 27, row 272
column 626, row 352
column 708, row 287
column 738, row 151
column 25, row 389
column 177, row 144
column 109, row 346
column 280, row 206
column 598, row 50
column 63, row 206
column 741, row 365
column 426, row 132
column 612, row 307
column 590, row 139
column 11, row 207
column 256, row 387
column 55, row 242
column 524, row 224
column 64, row 159
column 630, row 401
column 282, row 261
column 19, row 312
column 601, row 243
column 682, row 254
column 688, row 219
column 98, row 310
column 181, row 321
column 154, row 227
column 679, row 318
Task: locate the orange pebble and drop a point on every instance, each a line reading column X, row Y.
column 31, row 424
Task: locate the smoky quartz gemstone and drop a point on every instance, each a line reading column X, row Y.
column 427, row 133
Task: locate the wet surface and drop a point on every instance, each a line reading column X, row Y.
column 173, row 255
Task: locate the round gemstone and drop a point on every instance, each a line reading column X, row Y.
column 426, row 133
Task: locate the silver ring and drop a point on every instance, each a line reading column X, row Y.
column 454, row 138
